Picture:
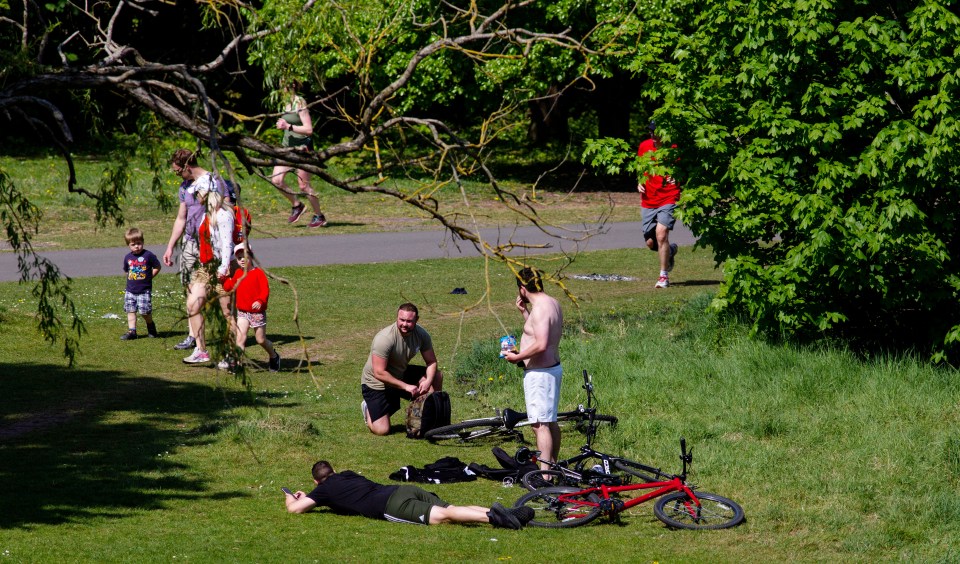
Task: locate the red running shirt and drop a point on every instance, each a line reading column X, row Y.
column 660, row 190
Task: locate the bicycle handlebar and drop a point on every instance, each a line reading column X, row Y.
column 686, row 457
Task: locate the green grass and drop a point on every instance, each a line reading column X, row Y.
column 135, row 457
column 69, row 219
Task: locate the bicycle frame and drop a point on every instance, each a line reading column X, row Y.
column 613, row 506
column 575, row 464
column 675, row 483
column 573, row 467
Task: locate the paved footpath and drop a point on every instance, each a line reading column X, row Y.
column 360, row 248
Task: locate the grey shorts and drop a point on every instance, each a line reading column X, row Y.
column 410, row 504
column 650, row 217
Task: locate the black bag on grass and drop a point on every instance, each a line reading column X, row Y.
column 426, row 412
column 447, row 470
column 510, row 469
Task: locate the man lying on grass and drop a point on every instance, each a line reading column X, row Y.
column 349, row 493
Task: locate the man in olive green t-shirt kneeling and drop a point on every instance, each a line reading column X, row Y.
column 388, row 375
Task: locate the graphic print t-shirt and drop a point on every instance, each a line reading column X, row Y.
column 139, row 269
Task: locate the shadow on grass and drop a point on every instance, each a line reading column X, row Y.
column 79, row 444
column 333, row 224
column 278, row 340
column 696, row 283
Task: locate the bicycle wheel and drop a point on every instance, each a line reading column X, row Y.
column 716, row 512
column 611, row 419
column 581, row 420
column 635, row 469
column 466, row 430
column 536, row 479
column 550, row 511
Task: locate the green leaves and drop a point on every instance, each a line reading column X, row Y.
column 612, row 156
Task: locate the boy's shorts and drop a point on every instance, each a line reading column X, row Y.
column 541, row 389
column 387, row 401
column 410, row 504
column 137, row 303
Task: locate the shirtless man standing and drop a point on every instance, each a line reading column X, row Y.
column 539, row 355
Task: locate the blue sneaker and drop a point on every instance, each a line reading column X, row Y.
column 188, row 343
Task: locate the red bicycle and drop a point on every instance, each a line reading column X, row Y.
column 678, row 506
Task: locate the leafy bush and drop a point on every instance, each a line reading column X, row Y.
column 816, row 150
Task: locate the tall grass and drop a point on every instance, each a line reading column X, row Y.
column 815, row 443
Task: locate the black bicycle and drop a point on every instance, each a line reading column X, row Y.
column 588, row 467
column 508, row 423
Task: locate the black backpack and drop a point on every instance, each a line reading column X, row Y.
column 426, row 412
column 510, row 470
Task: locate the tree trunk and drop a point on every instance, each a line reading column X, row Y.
column 548, row 118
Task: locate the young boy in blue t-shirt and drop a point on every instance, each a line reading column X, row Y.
column 141, row 266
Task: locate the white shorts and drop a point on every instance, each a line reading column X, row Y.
column 541, row 388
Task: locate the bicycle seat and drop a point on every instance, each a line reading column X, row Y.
column 511, row 417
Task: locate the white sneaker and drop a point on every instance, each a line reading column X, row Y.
column 223, row 365
column 662, row 282
column 197, row 357
column 363, row 410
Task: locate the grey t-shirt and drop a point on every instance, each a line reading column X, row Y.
column 397, row 349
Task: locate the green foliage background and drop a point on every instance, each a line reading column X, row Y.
column 816, row 147
column 818, row 153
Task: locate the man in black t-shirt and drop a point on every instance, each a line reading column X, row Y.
column 349, row 493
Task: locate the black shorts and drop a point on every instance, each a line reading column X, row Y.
column 387, row 401
column 302, row 143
